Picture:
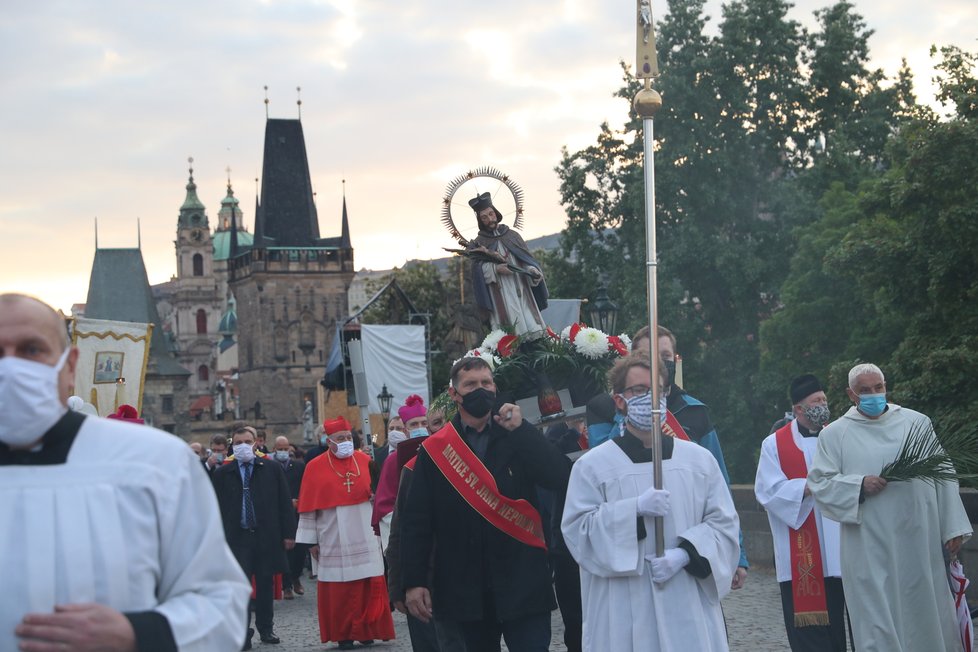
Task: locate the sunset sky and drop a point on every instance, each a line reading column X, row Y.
column 104, row 101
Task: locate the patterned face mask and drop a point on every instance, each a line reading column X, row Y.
column 640, row 411
column 818, row 414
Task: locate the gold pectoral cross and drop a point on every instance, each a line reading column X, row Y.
column 348, row 482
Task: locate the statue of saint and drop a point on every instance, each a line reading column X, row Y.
column 308, row 424
column 511, row 286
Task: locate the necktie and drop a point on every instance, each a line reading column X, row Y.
column 248, row 506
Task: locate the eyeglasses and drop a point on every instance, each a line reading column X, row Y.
column 637, row 390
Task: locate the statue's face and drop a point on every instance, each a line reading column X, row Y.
column 487, row 218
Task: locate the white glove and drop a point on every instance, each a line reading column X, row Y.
column 670, row 563
column 653, row 502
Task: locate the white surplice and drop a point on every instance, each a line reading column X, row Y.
column 788, row 507
column 130, row 521
column 893, row 570
column 624, row 610
column 348, row 548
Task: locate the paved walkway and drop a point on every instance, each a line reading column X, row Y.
column 753, row 615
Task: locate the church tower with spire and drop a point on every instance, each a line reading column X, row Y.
column 290, row 285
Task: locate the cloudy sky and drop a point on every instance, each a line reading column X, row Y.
column 104, row 101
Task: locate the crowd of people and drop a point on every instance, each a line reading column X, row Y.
column 468, row 519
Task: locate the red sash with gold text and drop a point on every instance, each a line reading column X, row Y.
column 672, row 428
column 475, row 484
column 807, row 578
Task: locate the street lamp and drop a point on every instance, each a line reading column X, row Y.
column 603, row 313
column 385, row 399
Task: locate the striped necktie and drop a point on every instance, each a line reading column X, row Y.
column 247, row 505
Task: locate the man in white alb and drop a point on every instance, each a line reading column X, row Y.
column 95, row 559
column 633, row 600
column 893, row 533
column 806, row 546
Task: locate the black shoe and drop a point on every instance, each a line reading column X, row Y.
column 247, row 643
column 269, row 637
column 345, row 645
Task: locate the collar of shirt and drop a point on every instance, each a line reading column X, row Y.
column 636, row 451
column 805, row 432
column 55, row 444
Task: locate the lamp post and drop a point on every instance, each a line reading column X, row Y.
column 603, row 312
column 385, row 398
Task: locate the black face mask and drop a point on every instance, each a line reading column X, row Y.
column 478, row 402
column 670, row 366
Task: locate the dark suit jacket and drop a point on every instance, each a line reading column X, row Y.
column 293, row 476
column 273, row 510
column 474, row 560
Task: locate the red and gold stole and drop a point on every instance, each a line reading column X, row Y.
column 671, row 427
column 807, row 578
column 475, row 484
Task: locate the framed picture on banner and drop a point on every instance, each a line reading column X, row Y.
column 108, row 366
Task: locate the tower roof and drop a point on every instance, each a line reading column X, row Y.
column 192, row 212
column 118, row 289
column 287, row 214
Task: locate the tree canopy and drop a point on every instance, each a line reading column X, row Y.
column 810, row 214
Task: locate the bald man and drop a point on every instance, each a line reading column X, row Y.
column 94, row 559
column 292, row 581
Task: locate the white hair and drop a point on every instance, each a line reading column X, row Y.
column 864, row 368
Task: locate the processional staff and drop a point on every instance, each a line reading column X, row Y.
column 647, row 103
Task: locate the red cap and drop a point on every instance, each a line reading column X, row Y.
column 126, row 413
column 339, row 424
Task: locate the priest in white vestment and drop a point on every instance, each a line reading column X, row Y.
column 893, row 533
column 789, row 505
column 110, row 532
column 632, row 600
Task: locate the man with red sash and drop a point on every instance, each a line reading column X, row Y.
column 472, row 501
column 806, row 545
column 334, row 516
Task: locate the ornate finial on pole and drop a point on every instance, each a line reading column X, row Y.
column 190, row 161
column 298, row 94
column 646, row 60
column 647, row 103
column 266, row 102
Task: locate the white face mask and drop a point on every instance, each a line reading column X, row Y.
column 244, row 453
column 395, row 437
column 30, row 401
column 344, row 449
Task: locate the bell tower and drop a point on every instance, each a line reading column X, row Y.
column 193, row 243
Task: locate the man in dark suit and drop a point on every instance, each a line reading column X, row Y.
column 293, row 468
column 218, row 452
column 259, row 521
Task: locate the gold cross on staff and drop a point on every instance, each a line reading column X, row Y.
column 348, row 483
column 646, row 59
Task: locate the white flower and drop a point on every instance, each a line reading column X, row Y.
column 492, row 339
column 565, row 334
column 627, row 341
column 591, row 343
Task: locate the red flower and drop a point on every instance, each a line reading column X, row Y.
column 575, row 329
column 617, row 345
column 552, row 334
column 506, row 345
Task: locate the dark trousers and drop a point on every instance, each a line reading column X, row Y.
column 567, row 586
column 529, row 634
column 245, row 550
column 423, row 638
column 297, row 561
column 817, row 638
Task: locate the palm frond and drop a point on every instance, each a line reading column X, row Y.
column 950, row 457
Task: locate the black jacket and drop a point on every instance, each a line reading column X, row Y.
column 474, row 561
column 273, row 509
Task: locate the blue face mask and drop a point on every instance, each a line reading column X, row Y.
column 418, row 432
column 872, row 405
column 322, row 440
